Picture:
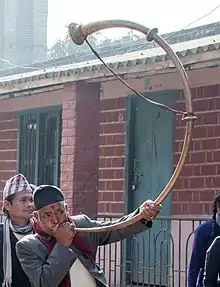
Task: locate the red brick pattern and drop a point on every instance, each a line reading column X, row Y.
column 68, row 145
column 200, row 177
column 93, row 152
column 80, row 148
column 112, row 156
column 8, row 148
column 85, row 192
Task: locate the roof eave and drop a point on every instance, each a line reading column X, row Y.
column 192, row 62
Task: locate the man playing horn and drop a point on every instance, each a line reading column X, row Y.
column 59, row 256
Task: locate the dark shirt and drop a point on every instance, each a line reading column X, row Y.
column 19, row 278
column 201, row 243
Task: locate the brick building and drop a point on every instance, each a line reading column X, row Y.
column 95, row 122
column 76, row 126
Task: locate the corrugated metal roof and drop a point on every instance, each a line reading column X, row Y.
column 128, row 60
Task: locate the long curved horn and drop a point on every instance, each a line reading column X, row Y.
column 78, row 34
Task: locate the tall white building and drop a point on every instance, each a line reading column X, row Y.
column 23, row 31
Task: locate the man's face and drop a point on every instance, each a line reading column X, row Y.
column 51, row 216
column 21, row 208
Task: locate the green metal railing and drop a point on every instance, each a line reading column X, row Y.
column 175, row 236
column 158, row 259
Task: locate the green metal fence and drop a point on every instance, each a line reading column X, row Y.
column 158, row 259
column 121, row 272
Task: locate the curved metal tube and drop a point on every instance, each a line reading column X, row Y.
column 78, row 33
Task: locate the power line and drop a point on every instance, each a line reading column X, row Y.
column 200, row 18
column 143, row 46
column 15, row 66
column 178, row 32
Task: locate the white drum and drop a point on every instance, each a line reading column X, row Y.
column 80, row 276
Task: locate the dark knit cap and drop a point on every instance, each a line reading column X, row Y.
column 45, row 195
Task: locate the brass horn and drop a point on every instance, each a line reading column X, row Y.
column 78, row 34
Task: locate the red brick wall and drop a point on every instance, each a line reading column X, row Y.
column 82, row 145
column 112, row 156
column 200, row 177
column 68, row 145
column 85, row 192
column 80, row 148
column 8, row 148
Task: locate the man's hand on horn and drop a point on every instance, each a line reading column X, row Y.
column 149, row 210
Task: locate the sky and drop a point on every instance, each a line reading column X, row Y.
column 167, row 16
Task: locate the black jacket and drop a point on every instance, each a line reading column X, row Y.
column 212, row 264
column 19, row 278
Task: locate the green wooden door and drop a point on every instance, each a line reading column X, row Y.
column 151, row 165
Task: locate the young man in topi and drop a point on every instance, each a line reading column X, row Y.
column 57, row 255
column 18, row 209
